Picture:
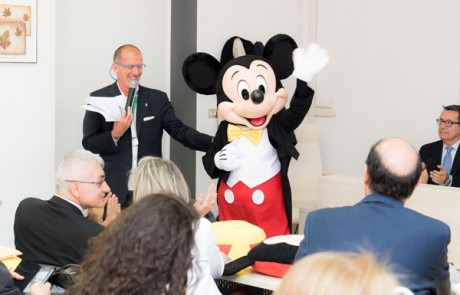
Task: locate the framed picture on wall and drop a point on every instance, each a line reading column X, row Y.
column 18, row 30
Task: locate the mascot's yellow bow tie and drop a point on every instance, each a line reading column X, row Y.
column 235, row 132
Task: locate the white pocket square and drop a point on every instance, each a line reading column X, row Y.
column 149, row 118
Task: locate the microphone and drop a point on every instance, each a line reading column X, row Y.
column 132, row 90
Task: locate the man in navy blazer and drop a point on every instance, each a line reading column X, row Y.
column 121, row 144
column 413, row 244
column 433, row 154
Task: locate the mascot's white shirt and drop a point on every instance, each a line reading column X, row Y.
column 260, row 162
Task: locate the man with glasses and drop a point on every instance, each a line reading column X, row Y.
column 441, row 161
column 139, row 131
column 56, row 231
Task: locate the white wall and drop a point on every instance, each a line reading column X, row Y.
column 393, row 65
column 27, row 125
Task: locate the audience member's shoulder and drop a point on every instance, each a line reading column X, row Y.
column 429, row 223
column 331, row 210
column 203, row 225
column 32, row 202
column 430, row 145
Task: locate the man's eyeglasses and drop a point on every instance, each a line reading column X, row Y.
column 97, row 183
column 130, row 67
column 447, row 123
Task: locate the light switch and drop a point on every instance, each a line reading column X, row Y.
column 212, row 113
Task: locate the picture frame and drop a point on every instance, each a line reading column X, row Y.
column 18, row 31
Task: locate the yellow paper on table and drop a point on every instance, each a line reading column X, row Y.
column 12, row 262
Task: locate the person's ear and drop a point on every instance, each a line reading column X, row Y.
column 115, row 68
column 366, row 175
column 74, row 189
column 366, row 180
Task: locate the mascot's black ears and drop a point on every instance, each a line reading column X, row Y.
column 201, row 70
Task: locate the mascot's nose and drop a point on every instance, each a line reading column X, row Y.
column 257, row 96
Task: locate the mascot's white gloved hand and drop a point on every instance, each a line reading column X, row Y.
column 229, row 158
column 309, row 61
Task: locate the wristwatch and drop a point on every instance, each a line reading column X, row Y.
column 448, row 181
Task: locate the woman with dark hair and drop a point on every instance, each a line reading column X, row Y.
column 145, row 251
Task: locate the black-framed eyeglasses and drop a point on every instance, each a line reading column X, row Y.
column 130, row 67
column 447, row 123
column 97, row 183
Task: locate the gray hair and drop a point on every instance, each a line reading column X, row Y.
column 74, row 166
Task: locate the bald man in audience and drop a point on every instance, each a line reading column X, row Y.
column 415, row 244
column 56, row 231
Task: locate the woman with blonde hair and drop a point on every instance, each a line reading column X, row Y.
column 340, row 273
column 158, row 175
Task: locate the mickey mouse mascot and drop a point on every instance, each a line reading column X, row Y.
column 255, row 141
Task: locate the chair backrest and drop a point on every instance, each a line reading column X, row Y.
column 304, row 173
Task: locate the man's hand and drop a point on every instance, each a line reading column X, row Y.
column 96, row 214
column 440, row 176
column 113, row 209
column 120, row 127
column 37, row 289
column 16, row 276
column 424, row 174
column 204, row 205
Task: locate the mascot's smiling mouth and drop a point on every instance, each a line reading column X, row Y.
column 257, row 121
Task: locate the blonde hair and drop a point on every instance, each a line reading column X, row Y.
column 156, row 175
column 336, row 273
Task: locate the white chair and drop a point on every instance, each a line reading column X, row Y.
column 304, row 172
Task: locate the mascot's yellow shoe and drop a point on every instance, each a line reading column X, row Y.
column 236, row 237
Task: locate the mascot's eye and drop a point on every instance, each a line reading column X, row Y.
column 243, row 90
column 261, row 84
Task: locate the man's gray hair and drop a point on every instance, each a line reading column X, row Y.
column 73, row 167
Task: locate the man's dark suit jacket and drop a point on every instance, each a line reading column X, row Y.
column 431, row 155
column 52, row 232
column 154, row 112
column 7, row 286
column 414, row 244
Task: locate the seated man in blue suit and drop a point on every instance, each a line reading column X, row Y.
column 440, row 158
column 414, row 244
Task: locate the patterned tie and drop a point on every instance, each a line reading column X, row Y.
column 447, row 162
